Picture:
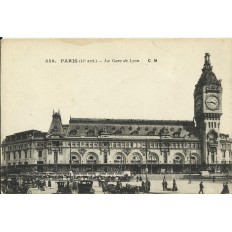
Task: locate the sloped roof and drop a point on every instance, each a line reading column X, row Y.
column 208, row 77
column 56, row 125
column 83, row 127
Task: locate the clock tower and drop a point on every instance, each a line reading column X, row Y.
column 207, row 112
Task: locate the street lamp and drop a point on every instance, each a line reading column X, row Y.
column 146, row 168
column 121, row 162
column 70, row 156
column 151, row 164
column 190, row 167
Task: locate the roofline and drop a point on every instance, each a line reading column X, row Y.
column 27, row 131
column 129, row 121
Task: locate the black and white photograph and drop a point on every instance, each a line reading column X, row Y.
column 116, row 116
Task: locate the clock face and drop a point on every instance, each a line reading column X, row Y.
column 198, row 104
column 212, row 102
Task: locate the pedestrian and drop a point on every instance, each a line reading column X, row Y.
column 49, row 183
column 143, row 186
column 44, row 183
column 140, row 178
column 213, row 178
column 149, row 185
column 227, row 188
column 137, row 179
column 201, row 188
column 174, row 186
column 163, row 184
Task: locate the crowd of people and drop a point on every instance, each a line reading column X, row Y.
column 165, row 185
column 21, row 183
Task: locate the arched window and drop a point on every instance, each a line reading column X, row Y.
column 118, row 132
column 119, row 158
column 76, row 158
column 178, row 159
column 195, row 158
column 92, row 158
column 153, row 158
column 136, row 158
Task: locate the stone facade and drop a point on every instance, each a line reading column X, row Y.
column 118, row 144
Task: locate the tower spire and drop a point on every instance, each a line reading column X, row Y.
column 207, row 64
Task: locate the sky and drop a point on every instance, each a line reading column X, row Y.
column 31, row 87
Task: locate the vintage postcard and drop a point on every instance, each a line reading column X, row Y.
column 116, row 116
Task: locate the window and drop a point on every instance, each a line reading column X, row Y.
column 105, row 157
column 14, row 156
column 215, row 125
column 114, row 144
column 40, row 154
column 224, row 154
column 25, row 154
column 165, row 158
column 4, row 156
column 212, row 124
column 209, row 124
column 123, row 144
column 20, row 155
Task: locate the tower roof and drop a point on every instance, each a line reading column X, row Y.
column 56, row 128
column 207, row 77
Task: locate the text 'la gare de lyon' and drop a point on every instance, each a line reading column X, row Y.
column 66, row 61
